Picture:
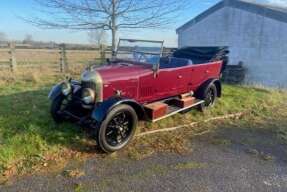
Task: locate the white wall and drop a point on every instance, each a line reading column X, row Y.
column 208, row 32
column 260, row 42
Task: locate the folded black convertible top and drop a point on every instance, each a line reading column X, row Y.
column 202, row 54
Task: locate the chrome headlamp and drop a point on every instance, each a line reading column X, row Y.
column 88, row 96
column 66, row 88
column 95, row 78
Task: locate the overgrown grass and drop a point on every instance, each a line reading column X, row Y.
column 29, row 136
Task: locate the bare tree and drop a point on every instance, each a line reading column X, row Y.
column 97, row 36
column 111, row 15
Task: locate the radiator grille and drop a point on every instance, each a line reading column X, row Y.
column 89, row 84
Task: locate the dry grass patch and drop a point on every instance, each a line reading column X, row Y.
column 191, row 165
column 36, row 75
column 76, row 173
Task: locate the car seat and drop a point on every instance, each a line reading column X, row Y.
column 173, row 62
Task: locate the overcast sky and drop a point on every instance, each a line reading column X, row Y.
column 16, row 29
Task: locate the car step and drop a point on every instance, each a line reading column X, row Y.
column 161, row 110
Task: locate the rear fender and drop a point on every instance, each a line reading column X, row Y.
column 209, row 82
column 101, row 111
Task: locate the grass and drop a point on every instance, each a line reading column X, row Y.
column 26, row 129
column 253, row 101
column 29, row 137
column 191, row 165
column 262, row 108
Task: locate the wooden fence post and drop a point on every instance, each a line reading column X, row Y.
column 63, row 59
column 103, row 53
column 13, row 62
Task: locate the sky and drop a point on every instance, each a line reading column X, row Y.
column 16, row 28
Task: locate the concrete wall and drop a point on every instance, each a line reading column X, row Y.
column 258, row 41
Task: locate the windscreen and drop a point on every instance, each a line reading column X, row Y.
column 140, row 51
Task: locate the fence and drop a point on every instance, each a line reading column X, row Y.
column 15, row 58
column 61, row 60
column 24, row 60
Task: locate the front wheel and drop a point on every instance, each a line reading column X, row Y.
column 118, row 129
column 58, row 104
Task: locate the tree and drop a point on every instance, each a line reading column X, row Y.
column 111, row 15
column 97, row 36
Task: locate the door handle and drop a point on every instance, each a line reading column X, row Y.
column 179, row 77
column 207, row 71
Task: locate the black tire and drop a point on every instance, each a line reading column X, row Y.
column 114, row 132
column 209, row 95
column 56, row 108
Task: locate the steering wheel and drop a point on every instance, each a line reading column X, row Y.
column 140, row 56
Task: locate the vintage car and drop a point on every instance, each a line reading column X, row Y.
column 138, row 84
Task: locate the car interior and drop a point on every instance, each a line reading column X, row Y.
column 173, row 62
column 192, row 56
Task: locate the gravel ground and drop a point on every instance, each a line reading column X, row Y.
column 231, row 160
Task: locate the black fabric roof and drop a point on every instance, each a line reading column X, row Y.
column 201, row 54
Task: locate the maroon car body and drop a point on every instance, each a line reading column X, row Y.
column 111, row 98
column 138, row 82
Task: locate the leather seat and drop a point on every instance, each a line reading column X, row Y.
column 173, row 62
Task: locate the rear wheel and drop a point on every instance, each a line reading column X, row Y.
column 118, row 129
column 208, row 95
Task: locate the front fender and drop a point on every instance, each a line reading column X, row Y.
column 55, row 92
column 101, row 111
column 57, row 89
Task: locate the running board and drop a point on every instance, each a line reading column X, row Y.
column 172, row 110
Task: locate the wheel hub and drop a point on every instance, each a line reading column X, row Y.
column 118, row 129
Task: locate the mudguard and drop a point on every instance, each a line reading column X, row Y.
column 57, row 89
column 100, row 112
column 216, row 82
column 55, row 92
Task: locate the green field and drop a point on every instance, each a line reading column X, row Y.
column 28, row 135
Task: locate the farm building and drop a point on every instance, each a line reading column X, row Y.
column 256, row 35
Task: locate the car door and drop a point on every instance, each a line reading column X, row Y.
column 167, row 81
column 198, row 73
column 183, row 79
column 157, row 86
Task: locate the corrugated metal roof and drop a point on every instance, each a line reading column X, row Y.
column 267, row 10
